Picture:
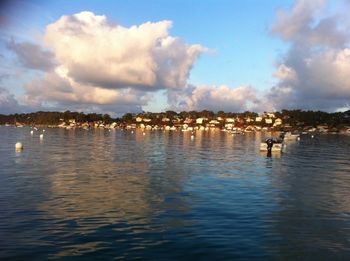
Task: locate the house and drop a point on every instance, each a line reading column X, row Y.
column 165, row 120
column 147, row 120
column 188, row 121
column 268, row 121
column 270, row 115
column 138, row 119
column 258, row 119
column 278, row 122
column 230, row 120
column 200, row 120
column 214, row 122
column 229, row 126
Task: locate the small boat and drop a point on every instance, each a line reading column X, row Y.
column 276, row 147
column 272, row 145
column 289, row 136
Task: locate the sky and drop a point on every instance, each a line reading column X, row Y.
column 131, row 56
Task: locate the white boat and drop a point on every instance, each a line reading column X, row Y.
column 276, row 147
column 290, row 136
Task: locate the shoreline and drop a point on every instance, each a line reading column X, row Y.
column 182, row 128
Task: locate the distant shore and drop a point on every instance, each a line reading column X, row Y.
column 293, row 121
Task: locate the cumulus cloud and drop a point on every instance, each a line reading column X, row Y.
column 32, row 56
column 96, row 52
column 218, row 98
column 8, row 103
column 315, row 71
column 65, row 92
column 105, row 65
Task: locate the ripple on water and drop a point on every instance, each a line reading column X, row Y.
column 164, row 195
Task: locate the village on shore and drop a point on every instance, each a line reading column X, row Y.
column 294, row 121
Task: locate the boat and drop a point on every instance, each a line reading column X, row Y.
column 290, row 137
column 277, row 145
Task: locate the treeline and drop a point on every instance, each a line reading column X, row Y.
column 292, row 117
column 53, row 118
column 314, row 118
column 128, row 117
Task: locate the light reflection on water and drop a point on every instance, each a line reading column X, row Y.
column 164, row 196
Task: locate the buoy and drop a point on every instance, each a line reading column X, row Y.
column 312, row 136
column 143, row 133
column 132, row 132
column 43, row 130
column 31, row 132
column 192, row 137
column 41, row 136
column 19, row 146
column 298, row 138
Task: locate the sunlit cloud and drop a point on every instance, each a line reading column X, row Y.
column 91, row 61
column 217, row 98
column 315, row 72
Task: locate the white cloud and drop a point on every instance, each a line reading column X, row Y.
column 100, row 64
column 8, row 103
column 218, row 98
column 285, row 73
column 96, row 52
column 57, row 91
column 32, row 56
column 315, row 71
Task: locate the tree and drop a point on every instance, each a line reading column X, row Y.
column 127, row 118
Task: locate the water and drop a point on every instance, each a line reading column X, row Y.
column 97, row 194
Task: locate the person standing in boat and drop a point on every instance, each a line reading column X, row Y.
column 269, row 143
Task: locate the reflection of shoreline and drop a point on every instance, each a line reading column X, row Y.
column 116, row 182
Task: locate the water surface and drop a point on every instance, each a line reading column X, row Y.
column 103, row 194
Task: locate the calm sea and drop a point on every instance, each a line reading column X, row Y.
column 102, row 194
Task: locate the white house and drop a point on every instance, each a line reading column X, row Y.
column 199, row 120
column 258, row 119
column 268, row 121
column 278, row 122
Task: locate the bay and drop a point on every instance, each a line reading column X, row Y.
column 106, row 195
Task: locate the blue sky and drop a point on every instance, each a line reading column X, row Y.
column 242, row 51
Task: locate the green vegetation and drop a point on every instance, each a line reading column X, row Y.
column 53, row 118
column 294, row 118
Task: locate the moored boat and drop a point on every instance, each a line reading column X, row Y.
column 276, row 147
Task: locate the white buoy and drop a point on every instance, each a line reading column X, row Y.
column 31, row 132
column 312, row 136
column 298, row 138
column 192, row 137
column 41, row 136
column 19, row 146
column 143, row 133
column 132, row 132
column 44, row 130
